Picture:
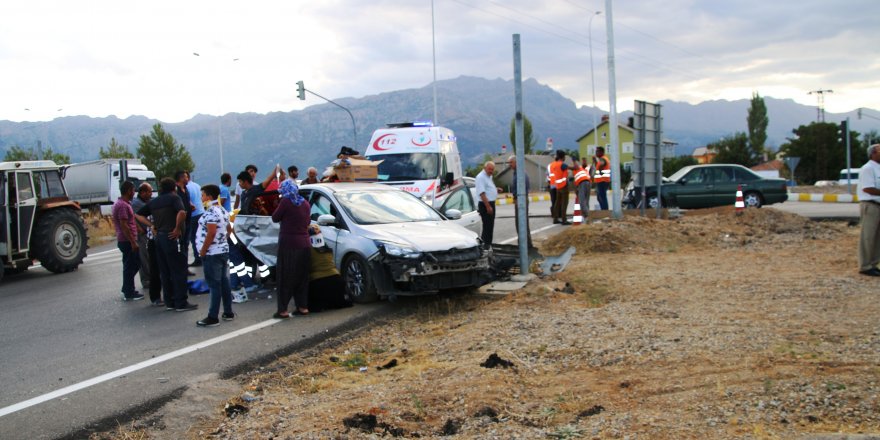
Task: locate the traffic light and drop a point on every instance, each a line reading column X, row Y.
column 842, row 131
column 301, row 90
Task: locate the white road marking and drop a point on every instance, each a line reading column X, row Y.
column 132, row 368
column 511, row 240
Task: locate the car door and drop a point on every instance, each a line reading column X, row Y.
column 694, row 190
column 462, row 200
column 725, row 183
column 321, row 204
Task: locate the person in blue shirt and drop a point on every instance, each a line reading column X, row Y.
column 225, row 183
column 195, row 199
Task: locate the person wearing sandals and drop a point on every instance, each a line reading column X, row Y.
column 213, row 249
column 294, row 250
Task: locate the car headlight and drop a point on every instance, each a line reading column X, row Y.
column 397, row 250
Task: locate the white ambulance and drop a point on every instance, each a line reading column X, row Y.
column 418, row 158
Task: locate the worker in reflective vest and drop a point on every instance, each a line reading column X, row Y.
column 551, row 187
column 602, row 177
column 559, row 173
column 582, row 186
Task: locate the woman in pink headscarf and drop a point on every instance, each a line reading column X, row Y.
column 294, row 250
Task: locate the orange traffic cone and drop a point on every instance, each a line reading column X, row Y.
column 577, row 218
column 740, row 205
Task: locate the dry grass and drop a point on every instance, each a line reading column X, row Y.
column 687, row 328
column 100, row 229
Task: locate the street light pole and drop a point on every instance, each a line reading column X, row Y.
column 434, row 59
column 592, row 78
column 219, row 126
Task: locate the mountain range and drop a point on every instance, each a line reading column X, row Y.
column 478, row 110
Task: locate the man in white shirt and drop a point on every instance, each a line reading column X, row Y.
column 488, row 193
column 869, row 207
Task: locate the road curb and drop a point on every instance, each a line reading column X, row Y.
column 822, row 198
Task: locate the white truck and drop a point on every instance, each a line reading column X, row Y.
column 418, row 158
column 95, row 184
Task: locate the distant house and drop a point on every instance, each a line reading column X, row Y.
column 536, row 169
column 601, row 135
column 769, row 169
column 704, row 155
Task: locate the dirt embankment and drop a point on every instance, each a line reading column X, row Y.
column 708, row 326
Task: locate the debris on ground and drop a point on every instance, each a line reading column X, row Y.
column 494, row 361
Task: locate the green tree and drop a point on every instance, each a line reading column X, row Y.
column 821, row 154
column 115, row 151
column 736, row 149
column 162, row 154
column 757, row 122
column 16, row 153
column 474, row 170
column 527, row 134
column 673, row 164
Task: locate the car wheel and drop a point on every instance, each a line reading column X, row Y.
column 753, row 199
column 653, row 201
column 358, row 282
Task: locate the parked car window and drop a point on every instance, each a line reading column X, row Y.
column 382, row 207
column 460, row 200
column 746, row 175
column 321, row 205
column 697, row 176
column 721, row 175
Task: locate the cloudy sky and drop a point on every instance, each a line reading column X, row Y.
column 100, row 57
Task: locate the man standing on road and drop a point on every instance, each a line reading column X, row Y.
column 559, row 171
column 126, row 240
column 169, row 218
column 602, row 178
column 225, row 183
column 149, row 271
column 195, row 199
column 582, row 176
column 252, row 170
column 488, row 193
column 869, row 207
column 511, row 162
column 181, row 178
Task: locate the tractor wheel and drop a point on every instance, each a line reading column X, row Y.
column 59, row 240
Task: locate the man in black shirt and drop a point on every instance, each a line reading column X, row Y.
column 169, row 217
column 250, row 191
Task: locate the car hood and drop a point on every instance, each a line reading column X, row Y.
column 424, row 236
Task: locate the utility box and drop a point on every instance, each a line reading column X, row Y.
column 357, row 170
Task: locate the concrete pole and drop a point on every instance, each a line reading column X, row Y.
column 613, row 150
column 521, row 200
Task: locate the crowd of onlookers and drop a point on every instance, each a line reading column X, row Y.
column 155, row 234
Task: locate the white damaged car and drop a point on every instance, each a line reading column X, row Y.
column 385, row 241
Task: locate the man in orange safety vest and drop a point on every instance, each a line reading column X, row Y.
column 559, row 176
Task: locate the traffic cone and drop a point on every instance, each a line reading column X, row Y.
column 740, row 205
column 577, row 218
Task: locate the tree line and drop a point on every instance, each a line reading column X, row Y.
column 158, row 150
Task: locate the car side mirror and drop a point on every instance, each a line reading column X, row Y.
column 448, row 179
column 453, row 214
column 683, row 181
column 326, row 220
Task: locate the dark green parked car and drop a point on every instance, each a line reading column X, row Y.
column 707, row 186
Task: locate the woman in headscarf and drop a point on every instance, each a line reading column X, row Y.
column 294, row 250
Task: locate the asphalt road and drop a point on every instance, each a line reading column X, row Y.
column 75, row 356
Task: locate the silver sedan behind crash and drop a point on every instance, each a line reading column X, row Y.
column 385, row 242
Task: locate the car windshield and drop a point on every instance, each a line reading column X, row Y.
column 383, row 207
column 408, row 166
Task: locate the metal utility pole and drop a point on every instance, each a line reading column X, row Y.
column 820, row 103
column 613, row 150
column 521, row 201
column 434, row 59
column 302, row 90
column 592, row 78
